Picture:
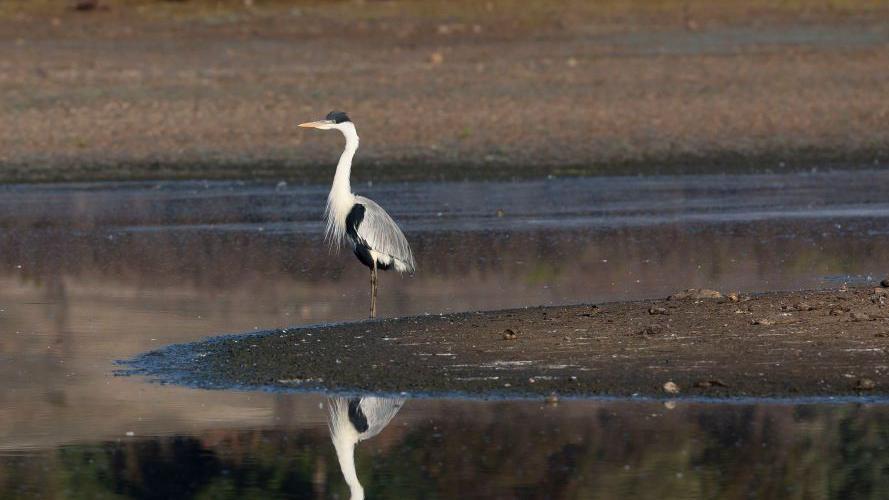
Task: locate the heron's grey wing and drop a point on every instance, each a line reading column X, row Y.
column 360, row 418
column 378, row 412
column 382, row 235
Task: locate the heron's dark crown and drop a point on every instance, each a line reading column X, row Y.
column 338, row 116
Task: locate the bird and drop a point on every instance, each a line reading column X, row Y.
column 357, row 221
column 351, row 420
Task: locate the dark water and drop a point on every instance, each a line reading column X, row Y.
column 455, row 449
column 95, row 273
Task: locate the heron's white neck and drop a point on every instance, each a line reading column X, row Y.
column 341, row 199
column 345, row 454
column 344, row 437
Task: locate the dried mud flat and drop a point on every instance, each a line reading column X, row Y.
column 699, row 344
column 497, row 89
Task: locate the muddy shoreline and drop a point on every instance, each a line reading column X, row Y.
column 434, row 169
column 828, row 343
column 439, row 90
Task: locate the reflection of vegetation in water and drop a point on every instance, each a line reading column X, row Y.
column 733, row 452
column 820, row 263
column 542, row 273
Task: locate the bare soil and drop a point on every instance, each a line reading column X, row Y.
column 132, row 89
column 783, row 344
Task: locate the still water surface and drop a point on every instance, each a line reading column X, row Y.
column 92, row 273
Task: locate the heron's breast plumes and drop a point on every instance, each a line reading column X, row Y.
column 338, row 206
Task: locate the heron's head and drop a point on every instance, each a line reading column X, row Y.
column 334, row 120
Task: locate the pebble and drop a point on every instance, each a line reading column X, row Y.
column 594, row 310
column 885, row 283
column 651, row 330
column 508, row 334
column 657, row 310
column 763, row 322
column 670, row 387
column 85, row 5
column 706, row 384
column 859, row 316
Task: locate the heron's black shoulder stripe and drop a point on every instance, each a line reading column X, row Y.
column 356, row 416
column 338, row 116
column 362, row 250
column 353, row 220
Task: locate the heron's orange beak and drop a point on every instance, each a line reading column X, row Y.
column 316, row 124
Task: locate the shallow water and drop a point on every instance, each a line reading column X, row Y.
column 455, row 449
column 95, row 273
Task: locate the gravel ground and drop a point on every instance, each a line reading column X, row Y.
column 134, row 90
column 698, row 344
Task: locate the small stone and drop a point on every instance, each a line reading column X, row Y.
column 657, row 310
column 670, row 387
column 733, row 297
column 885, row 283
column 86, row 5
column 670, row 405
column 706, row 384
column 500, row 212
column 508, row 334
column 696, row 294
column 865, row 384
column 859, row 316
column 802, row 306
column 436, row 58
column 594, row 310
column 763, row 322
column 651, row 330
column 552, row 399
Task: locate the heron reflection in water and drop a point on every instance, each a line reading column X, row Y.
column 355, row 419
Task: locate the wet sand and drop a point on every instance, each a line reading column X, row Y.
column 465, row 90
column 783, row 344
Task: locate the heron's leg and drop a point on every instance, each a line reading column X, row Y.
column 373, row 290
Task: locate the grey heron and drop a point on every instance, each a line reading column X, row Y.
column 373, row 235
column 353, row 420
